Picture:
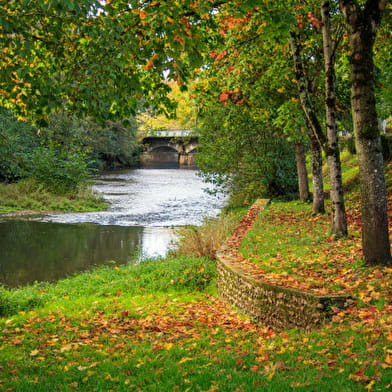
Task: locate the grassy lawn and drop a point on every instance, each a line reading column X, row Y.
column 160, row 326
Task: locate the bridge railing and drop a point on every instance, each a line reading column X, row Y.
column 169, row 133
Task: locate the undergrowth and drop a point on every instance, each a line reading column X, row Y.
column 204, row 240
column 28, row 195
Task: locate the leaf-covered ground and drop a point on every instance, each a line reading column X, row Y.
column 159, row 326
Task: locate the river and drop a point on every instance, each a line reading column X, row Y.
column 146, row 206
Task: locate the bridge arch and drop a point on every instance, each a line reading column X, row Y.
column 176, row 146
column 163, row 147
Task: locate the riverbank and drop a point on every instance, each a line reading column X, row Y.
column 28, row 198
column 159, row 326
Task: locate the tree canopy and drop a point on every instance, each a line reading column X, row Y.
column 107, row 59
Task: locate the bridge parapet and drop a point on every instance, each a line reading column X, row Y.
column 169, row 133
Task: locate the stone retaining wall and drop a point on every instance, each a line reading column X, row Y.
column 276, row 306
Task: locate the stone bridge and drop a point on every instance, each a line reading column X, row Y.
column 169, row 146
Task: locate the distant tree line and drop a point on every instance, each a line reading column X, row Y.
column 64, row 153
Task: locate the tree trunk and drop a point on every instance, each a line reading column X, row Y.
column 313, row 127
column 362, row 23
column 339, row 219
column 303, row 184
column 317, row 177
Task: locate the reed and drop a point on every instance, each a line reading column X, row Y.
column 205, row 240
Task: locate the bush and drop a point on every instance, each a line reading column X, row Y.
column 61, row 171
column 245, row 154
column 17, row 140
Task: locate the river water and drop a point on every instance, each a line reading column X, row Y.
column 146, row 205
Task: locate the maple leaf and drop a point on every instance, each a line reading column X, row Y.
column 224, row 96
column 178, row 39
column 142, row 14
column 388, row 359
column 149, row 65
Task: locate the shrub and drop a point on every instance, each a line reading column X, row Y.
column 61, row 171
column 205, row 240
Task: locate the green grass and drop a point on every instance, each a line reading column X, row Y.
column 350, row 172
column 278, row 234
column 27, row 195
column 181, row 273
column 160, row 326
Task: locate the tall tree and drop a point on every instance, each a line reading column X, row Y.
column 339, row 219
column 362, row 20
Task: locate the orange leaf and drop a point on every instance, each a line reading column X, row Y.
column 223, row 97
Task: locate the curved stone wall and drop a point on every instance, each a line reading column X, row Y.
column 276, row 306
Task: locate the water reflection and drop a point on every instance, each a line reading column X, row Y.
column 56, row 250
column 145, row 206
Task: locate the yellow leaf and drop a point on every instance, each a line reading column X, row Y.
column 270, row 376
column 185, row 359
column 69, row 347
column 168, row 346
column 370, row 385
column 149, row 65
column 34, row 353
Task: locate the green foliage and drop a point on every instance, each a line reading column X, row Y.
column 347, row 143
column 53, row 157
column 245, row 154
column 61, row 171
column 386, row 144
column 17, row 138
column 114, row 145
column 383, row 70
column 13, row 301
column 119, row 53
column 61, row 155
column 183, row 118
